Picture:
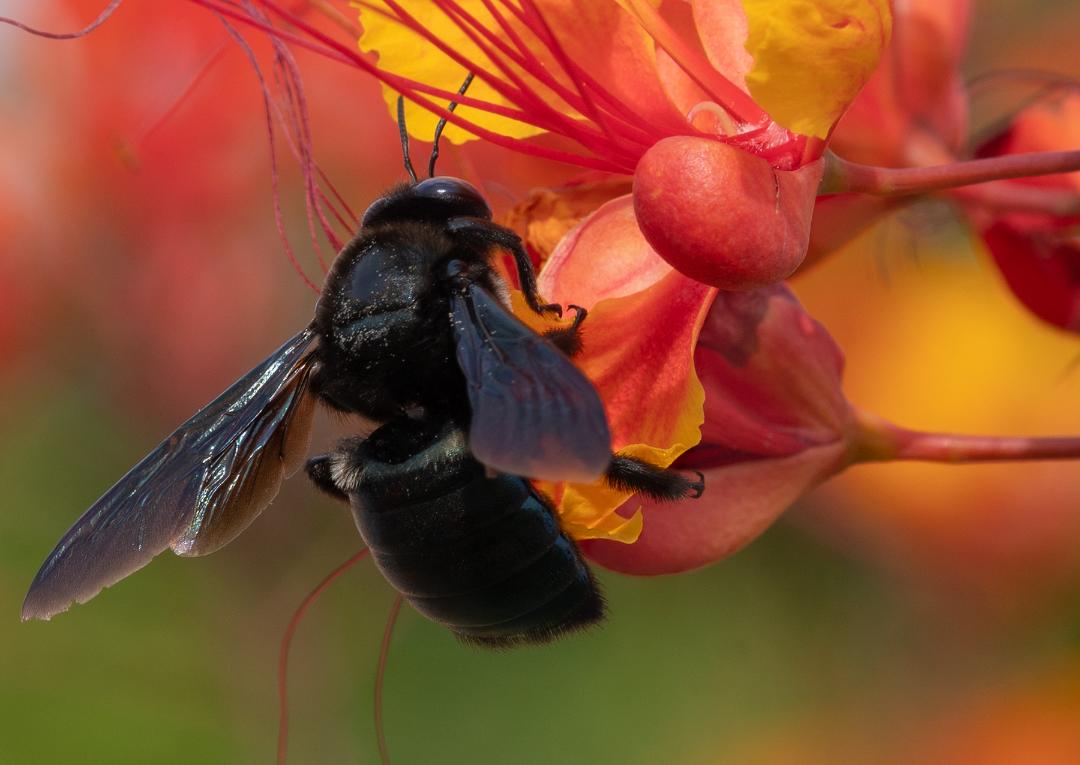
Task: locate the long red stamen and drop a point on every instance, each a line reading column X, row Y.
column 719, row 88
column 472, row 27
column 609, row 123
column 275, row 179
column 534, row 108
column 353, row 218
column 380, row 675
column 561, row 124
column 298, row 132
column 631, row 125
column 101, row 19
column 347, row 225
column 286, row 644
column 578, row 98
column 525, row 58
column 622, row 127
column 184, row 95
column 411, row 89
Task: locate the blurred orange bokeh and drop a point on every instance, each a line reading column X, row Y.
column 935, row 341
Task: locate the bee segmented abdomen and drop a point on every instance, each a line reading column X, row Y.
column 487, row 559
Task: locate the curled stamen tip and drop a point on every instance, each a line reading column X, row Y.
column 716, row 119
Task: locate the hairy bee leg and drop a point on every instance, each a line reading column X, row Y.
column 321, row 475
column 493, row 233
column 568, row 339
column 661, row 484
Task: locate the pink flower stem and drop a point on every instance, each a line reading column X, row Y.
column 1001, row 197
column 843, row 176
column 879, row 440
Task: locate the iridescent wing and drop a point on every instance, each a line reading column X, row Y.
column 533, row 412
column 196, row 491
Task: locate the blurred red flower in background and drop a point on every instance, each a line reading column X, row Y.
column 914, row 112
column 159, row 166
column 1037, row 249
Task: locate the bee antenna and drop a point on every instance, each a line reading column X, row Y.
column 442, row 124
column 404, row 138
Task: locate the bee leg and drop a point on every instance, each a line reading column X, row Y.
column 568, row 339
column 492, row 233
column 661, row 484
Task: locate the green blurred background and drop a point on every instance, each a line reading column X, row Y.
column 902, row 615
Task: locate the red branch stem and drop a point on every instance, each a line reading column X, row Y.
column 844, row 176
column 882, row 441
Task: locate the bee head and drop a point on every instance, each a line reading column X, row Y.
column 433, row 199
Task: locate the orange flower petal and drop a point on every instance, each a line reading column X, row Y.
column 772, row 376
column 639, row 352
column 723, row 29
column 548, row 215
column 605, row 257
column 640, row 337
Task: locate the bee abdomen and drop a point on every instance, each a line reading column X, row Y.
column 487, row 560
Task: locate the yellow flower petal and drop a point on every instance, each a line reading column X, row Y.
column 587, row 511
column 406, row 53
column 811, row 57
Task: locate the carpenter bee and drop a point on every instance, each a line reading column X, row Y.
column 412, row 330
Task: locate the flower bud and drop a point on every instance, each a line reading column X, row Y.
column 721, row 215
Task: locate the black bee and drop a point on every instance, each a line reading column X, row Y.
column 412, row 330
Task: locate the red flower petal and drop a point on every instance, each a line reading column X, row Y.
column 772, row 378
column 740, row 502
column 776, row 423
column 1039, row 253
column 1042, row 268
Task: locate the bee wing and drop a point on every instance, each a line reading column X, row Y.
column 196, row 491
column 533, row 412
